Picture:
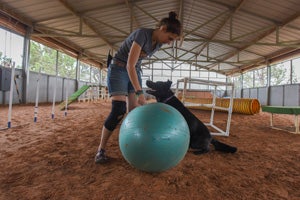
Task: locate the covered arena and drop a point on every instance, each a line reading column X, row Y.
column 53, row 105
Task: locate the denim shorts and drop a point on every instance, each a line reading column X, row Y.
column 118, row 81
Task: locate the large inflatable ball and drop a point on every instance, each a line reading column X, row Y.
column 154, row 137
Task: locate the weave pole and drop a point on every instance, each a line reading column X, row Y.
column 36, row 107
column 66, row 105
column 11, row 95
column 54, row 97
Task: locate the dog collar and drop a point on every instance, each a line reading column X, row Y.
column 168, row 99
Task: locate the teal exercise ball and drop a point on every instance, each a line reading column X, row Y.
column 154, row 137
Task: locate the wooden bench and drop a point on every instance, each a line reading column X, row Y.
column 290, row 110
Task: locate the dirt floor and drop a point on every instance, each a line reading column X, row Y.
column 54, row 159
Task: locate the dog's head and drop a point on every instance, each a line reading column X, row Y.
column 161, row 90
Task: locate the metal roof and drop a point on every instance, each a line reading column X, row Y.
column 223, row 36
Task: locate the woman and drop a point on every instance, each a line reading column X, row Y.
column 124, row 73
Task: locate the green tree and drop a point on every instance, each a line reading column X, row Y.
column 45, row 57
column 279, row 75
column 248, row 79
column 42, row 57
column 260, row 77
column 4, row 61
column 66, row 65
column 84, row 72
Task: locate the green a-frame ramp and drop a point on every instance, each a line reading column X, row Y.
column 74, row 96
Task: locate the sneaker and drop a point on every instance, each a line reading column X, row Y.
column 100, row 157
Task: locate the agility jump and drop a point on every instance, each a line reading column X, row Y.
column 213, row 106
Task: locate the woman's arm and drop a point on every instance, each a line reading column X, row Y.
column 133, row 57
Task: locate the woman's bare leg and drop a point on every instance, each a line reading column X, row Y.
column 132, row 101
column 105, row 135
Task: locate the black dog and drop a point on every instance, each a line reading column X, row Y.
column 200, row 136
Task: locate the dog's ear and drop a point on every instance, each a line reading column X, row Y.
column 169, row 83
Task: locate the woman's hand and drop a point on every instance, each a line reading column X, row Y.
column 141, row 99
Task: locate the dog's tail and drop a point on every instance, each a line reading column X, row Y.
column 219, row 146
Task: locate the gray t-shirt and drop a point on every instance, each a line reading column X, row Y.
column 143, row 37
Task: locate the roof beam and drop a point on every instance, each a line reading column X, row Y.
column 268, row 32
column 133, row 19
column 68, row 7
column 271, row 57
column 81, row 13
column 231, row 46
column 244, row 10
column 244, row 62
column 229, row 17
column 106, row 24
column 205, row 23
column 8, row 11
column 105, row 7
column 146, row 13
column 295, row 43
column 22, row 19
column 52, row 18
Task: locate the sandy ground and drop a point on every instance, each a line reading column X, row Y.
column 54, row 159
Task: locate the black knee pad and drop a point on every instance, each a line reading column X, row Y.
column 116, row 115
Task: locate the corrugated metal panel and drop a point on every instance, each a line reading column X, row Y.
column 275, row 11
column 244, row 57
column 289, row 34
column 217, row 50
column 36, row 10
column 68, row 23
column 201, row 14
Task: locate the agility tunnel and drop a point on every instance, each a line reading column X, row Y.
column 240, row 105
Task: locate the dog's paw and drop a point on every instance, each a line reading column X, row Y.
column 225, row 148
column 202, row 151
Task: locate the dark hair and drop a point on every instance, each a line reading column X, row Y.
column 172, row 23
